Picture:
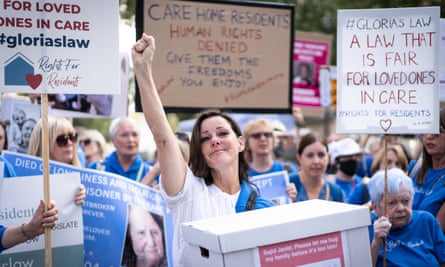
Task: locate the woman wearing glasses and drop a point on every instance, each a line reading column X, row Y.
column 93, row 145
column 429, row 182
column 260, row 142
column 215, row 182
column 62, row 146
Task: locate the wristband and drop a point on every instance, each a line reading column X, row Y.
column 22, row 229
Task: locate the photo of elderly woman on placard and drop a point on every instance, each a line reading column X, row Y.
column 304, row 74
column 144, row 242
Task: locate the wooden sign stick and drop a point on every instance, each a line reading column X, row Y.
column 385, row 192
column 46, row 184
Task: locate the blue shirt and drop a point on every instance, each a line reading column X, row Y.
column 277, row 166
column 347, row 186
column 329, row 191
column 419, row 243
column 2, row 231
column 243, row 199
column 359, row 194
column 430, row 195
column 136, row 172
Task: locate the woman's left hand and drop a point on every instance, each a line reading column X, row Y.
column 291, row 191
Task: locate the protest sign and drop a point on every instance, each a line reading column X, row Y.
column 311, row 51
column 230, row 55
column 442, row 60
column 273, row 186
column 106, row 209
column 67, row 235
column 388, row 71
column 59, row 47
column 21, row 116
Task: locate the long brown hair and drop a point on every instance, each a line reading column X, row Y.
column 427, row 160
column 198, row 164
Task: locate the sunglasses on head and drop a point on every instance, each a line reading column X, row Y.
column 62, row 139
column 258, row 135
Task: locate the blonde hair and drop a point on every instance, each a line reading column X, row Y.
column 54, row 125
column 249, row 128
column 380, row 156
column 97, row 137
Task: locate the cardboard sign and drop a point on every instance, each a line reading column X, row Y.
column 227, row 55
column 59, row 47
column 388, row 71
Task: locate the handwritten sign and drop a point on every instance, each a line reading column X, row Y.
column 388, row 78
column 221, row 55
column 59, row 46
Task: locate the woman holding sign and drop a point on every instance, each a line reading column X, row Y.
column 62, row 146
column 216, row 183
column 14, row 235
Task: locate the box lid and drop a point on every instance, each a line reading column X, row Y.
column 274, row 225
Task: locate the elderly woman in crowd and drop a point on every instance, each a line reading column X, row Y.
column 413, row 238
column 125, row 159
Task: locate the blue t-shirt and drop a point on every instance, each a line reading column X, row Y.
column 430, row 195
column 347, row 186
column 136, row 172
column 277, row 166
column 364, row 168
column 419, row 243
column 329, row 191
column 243, row 199
column 359, row 194
column 2, row 231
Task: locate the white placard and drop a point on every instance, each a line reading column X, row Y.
column 388, row 70
column 59, row 46
column 442, row 60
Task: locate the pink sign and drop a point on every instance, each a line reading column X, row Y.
column 311, row 50
column 311, row 251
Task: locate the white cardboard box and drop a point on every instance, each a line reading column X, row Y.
column 311, row 233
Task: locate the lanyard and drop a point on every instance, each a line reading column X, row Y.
column 138, row 178
column 328, row 191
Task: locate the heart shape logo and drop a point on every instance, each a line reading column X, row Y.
column 34, row 80
column 385, row 124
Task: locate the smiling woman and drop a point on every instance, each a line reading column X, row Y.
column 215, row 182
